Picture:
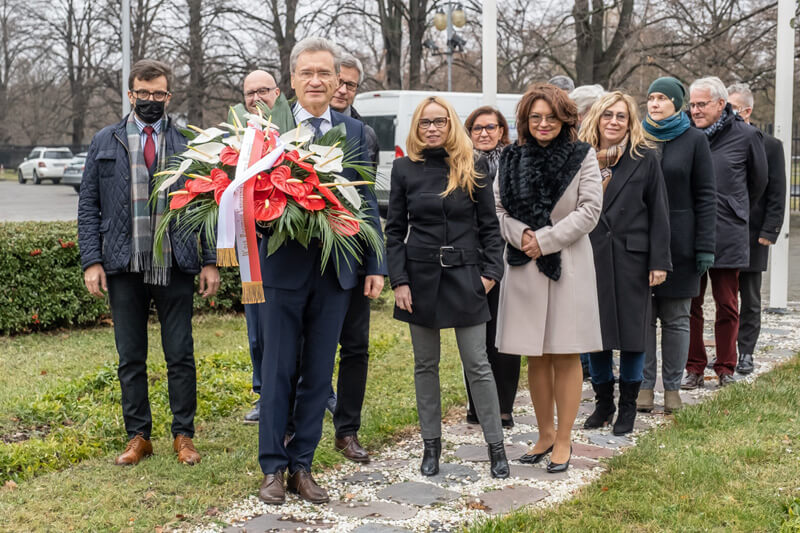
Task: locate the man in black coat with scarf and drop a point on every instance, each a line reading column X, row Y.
column 740, row 167
column 766, row 219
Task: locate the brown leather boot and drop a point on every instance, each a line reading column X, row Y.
column 187, row 454
column 302, row 484
column 351, row 448
column 137, row 449
column 272, row 489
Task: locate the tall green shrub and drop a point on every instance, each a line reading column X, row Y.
column 42, row 281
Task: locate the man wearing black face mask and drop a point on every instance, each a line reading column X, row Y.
column 115, row 226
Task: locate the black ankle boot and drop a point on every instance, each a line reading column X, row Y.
column 604, row 406
column 628, row 392
column 497, row 458
column 430, row 456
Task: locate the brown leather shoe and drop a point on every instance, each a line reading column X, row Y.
column 187, row 454
column 302, row 484
column 272, row 489
column 137, row 449
column 351, row 448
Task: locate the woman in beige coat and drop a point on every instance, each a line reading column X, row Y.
column 549, row 197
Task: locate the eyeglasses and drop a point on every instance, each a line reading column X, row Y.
column 610, row 115
column 488, row 127
column 321, row 75
column 351, row 85
column 144, row 94
column 699, row 105
column 535, row 119
column 438, row 122
column 262, row 91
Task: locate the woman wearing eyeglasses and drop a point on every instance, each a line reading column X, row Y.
column 631, row 251
column 548, row 199
column 441, row 272
column 488, row 130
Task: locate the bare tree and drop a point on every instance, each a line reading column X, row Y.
column 12, row 49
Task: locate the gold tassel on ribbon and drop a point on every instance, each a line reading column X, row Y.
column 226, row 257
column 252, row 292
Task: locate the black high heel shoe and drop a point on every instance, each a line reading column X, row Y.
column 555, row 468
column 499, row 462
column 430, row 456
column 533, row 458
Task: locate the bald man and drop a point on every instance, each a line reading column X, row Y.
column 258, row 86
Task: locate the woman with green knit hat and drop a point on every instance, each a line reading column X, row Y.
column 689, row 176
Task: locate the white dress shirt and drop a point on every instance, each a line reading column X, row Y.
column 303, row 116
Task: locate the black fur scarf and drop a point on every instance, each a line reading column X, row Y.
column 532, row 180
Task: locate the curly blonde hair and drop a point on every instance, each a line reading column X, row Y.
column 590, row 128
column 457, row 144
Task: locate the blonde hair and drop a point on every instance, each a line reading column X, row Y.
column 590, row 128
column 457, row 144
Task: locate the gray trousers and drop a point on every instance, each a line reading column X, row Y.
column 472, row 349
column 674, row 316
column 750, row 311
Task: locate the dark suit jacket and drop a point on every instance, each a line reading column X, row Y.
column 289, row 266
column 766, row 214
column 631, row 239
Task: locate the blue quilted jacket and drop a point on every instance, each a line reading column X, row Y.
column 104, row 208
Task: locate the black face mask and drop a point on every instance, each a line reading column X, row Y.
column 149, row 110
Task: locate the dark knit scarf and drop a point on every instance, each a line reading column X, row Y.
column 715, row 127
column 492, row 159
column 532, row 180
column 666, row 129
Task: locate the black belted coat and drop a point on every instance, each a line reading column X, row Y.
column 631, row 239
column 451, row 242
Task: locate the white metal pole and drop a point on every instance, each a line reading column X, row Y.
column 126, row 54
column 449, row 47
column 784, row 81
column 490, row 52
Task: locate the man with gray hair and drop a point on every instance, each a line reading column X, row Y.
column 305, row 306
column 564, row 83
column 351, row 76
column 766, row 219
column 584, row 97
column 740, row 169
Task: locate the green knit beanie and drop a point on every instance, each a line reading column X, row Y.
column 672, row 88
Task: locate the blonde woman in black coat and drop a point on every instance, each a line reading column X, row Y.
column 631, row 251
column 445, row 253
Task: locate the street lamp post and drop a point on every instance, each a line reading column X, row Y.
column 453, row 18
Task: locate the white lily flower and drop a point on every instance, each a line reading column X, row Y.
column 235, row 142
column 350, row 193
column 206, row 135
column 301, row 134
column 207, row 153
column 231, row 127
column 260, row 120
column 331, row 163
column 176, row 174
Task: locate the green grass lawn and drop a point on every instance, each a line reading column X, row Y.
column 61, row 389
column 729, row 464
column 8, row 174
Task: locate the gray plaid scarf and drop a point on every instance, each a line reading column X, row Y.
column 715, row 127
column 145, row 220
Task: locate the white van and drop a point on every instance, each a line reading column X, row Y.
column 389, row 114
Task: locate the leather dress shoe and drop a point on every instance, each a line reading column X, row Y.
column 252, row 415
column 431, row 452
column 555, row 468
column 745, row 365
column 351, row 448
column 534, row 458
column 507, row 422
column 726, row 379
column 184, row 447
column 302, row 484
column 498, row 467
column 137, row 449
column 692, row 381
column 272, row 490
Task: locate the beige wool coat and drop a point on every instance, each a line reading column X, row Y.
column 537, row 315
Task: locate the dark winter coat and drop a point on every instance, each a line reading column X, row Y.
column 691, row 188
column 453, row 230
column 740, row 168
column 630, row 240
column 766, row 215
column 104, row 207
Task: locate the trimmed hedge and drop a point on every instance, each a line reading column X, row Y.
column 42, row 281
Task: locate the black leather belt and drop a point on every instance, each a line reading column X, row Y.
column 446, row 256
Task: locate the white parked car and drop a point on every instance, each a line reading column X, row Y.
column 44, row 164
column 73, row 172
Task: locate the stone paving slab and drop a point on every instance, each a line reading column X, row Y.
column 365, row 476
column 450, row 473
column 592, row 452
column 416, row 493
column 525, row 420
column 379, row 528
column 525, row 438
column 478, row 453
column 505, row 500
column 275, row 523
column 608, row 440
column 389, row 510
column 537, row 472
column 582, row 463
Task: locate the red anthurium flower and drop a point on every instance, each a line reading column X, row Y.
column 280, row 177
column 326, row 193
column 269, row 205
column 200, row 185
column 220, row 181
column 312, row 202
column 263, row 182
column 343, row 226
column 181, row 198
column 229, row 156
